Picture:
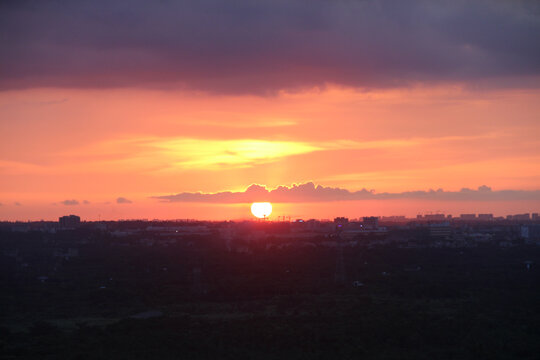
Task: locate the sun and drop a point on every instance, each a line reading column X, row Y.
column 261, row 209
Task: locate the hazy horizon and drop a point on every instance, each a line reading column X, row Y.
column 131, row 112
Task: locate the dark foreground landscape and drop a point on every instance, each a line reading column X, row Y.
column 91, row 294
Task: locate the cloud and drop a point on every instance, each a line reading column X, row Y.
column 309, row 192
column 16, row 203
column 123, row 200
column 70, row 202
column 86, row 202
column 267, row 45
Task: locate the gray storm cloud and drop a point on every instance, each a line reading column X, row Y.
column 264, row 46
column 309, row 192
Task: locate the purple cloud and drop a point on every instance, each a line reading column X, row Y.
column 309, row 192
column 70, row 202
column 266, row 45
column 123, row 200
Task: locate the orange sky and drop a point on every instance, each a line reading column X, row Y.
column 98, row 145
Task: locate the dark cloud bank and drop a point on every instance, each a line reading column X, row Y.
column 266, row 45
column 309, row 192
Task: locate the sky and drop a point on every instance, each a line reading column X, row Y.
column 181, row 109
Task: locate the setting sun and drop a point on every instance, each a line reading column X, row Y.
column 261, row 209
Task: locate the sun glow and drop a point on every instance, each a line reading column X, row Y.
column 261, row 209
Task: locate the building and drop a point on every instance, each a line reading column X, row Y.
column 441, row 230
column 521, row 217
column 370, row 222
column 341, row 222
column 435, row 217
column 531, row 233
column 467, row 216
column 399, row 218
column 69, row 221
column 485, row 217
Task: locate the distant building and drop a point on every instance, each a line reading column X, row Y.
column 341, row 222
column 535, row 217
column 531, row 233
column 521, row 217
column 370, row 222
column 485, row 217
column 467, row 216
column 399, row 218
column 442, row 230
column 69, row 221
column 435, row 217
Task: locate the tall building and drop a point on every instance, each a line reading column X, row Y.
column 69, row 221
column 370, row 222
